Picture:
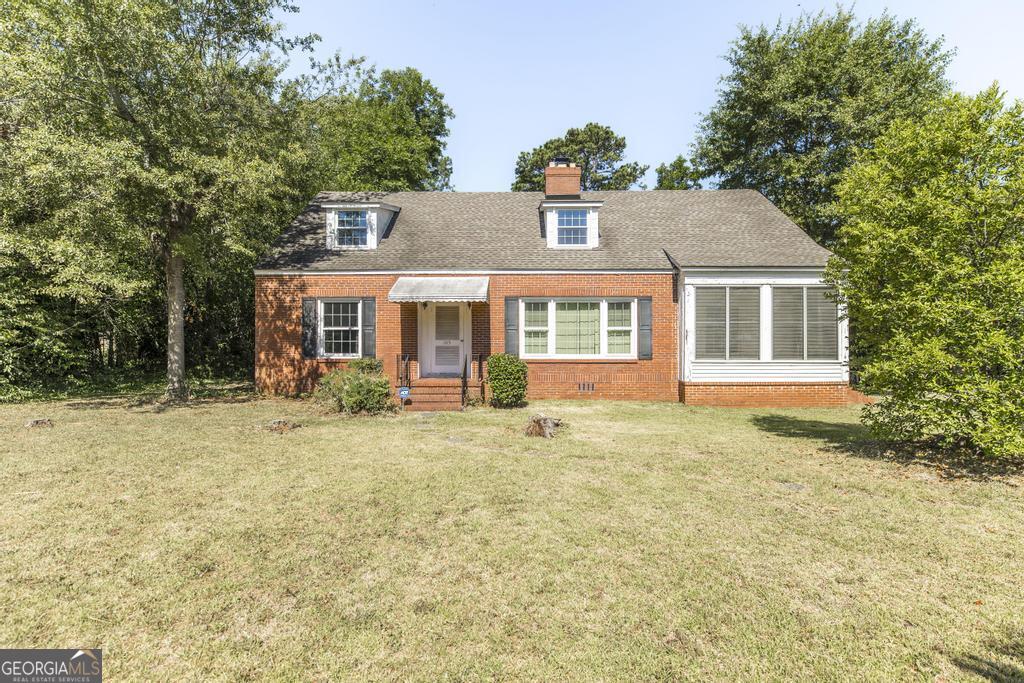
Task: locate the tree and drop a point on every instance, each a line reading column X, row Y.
column 930, row 262
column 677, row 175
column 799, row 100
column 150, row 151
column 183, row 93
column 383, row 132
column 596, row 149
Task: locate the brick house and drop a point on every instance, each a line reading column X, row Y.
column 709, row 297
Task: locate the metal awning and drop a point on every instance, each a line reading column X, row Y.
column 439, row 289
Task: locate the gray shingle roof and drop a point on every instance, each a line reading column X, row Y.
column 502, row 231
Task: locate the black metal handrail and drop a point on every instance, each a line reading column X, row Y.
column 465, row 382
column 402, row 371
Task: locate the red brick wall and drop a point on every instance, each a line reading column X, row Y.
column 766, row 394
column 280, row 367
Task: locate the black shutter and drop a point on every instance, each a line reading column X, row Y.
column 512, row 326
column 369, row 328
column 643, row 318
column 309, row 328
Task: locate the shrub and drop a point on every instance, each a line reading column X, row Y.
column 507, row 377
column 930, row 264
column 367, row 366
column 358, row 389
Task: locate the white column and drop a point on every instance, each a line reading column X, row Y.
column 766, row 322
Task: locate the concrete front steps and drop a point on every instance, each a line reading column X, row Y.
column 432, row 394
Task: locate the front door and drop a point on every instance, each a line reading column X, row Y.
column 447, row 345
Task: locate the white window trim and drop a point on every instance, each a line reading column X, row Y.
column 840, row 332
column 320, row 327
column 551, row 223
column 552, row 332
column 585, row 226
column 728, row 325
column 372, row 219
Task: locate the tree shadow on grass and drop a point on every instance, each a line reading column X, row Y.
column 1009, row 666
column 855, row 440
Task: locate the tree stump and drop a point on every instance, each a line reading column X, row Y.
column 39, row 422
column 282, row 426
column 541, row 425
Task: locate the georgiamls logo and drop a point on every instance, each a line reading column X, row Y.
column 51, row 666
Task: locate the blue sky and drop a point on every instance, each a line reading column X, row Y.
column 518, row 73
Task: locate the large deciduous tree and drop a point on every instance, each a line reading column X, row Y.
column 930, row 262
column 151, row 150
column 180, row 95
column 800, row 99
column 596, row 149
column 370, row 131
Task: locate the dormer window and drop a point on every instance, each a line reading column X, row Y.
column 352, row 230
column 572, row 227
column 358, row 225
column 571, row 224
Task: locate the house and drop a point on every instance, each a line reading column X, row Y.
column 710, row 297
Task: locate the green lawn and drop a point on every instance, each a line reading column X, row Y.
column 646, row 541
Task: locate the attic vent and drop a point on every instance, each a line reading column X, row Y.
column 585, row 387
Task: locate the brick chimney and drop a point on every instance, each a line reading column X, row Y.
column 562, row 178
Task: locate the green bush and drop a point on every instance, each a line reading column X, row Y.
column 507, row 377
column 367, row 366
column 356, row 390
column 930, row 263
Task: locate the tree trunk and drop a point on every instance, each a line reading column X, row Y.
column 174, row 266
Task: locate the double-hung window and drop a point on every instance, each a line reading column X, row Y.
column 351, row 229
column 340, row 325
column 535, row 327
column 572, row 227
column 805, row 324
column 728, row 323
column 579, row 328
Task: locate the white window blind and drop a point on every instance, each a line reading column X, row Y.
column 744, row 323
column 822, row 325
column 805, row 324
column 788, row 323
column 709, row 307
column 728, row 323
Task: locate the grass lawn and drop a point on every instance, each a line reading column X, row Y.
column 646, row 541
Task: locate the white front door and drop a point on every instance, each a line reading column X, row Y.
column 446, row 347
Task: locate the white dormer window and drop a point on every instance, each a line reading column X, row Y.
column 571, row 224
column 572, row 227
column 357, row 225
column 351, row 230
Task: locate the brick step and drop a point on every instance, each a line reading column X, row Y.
column 435, row 391
column 414, row 405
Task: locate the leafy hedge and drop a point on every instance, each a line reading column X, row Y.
column 362, row 388
column 506, row 376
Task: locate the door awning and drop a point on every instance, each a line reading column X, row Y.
column 439, row 289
